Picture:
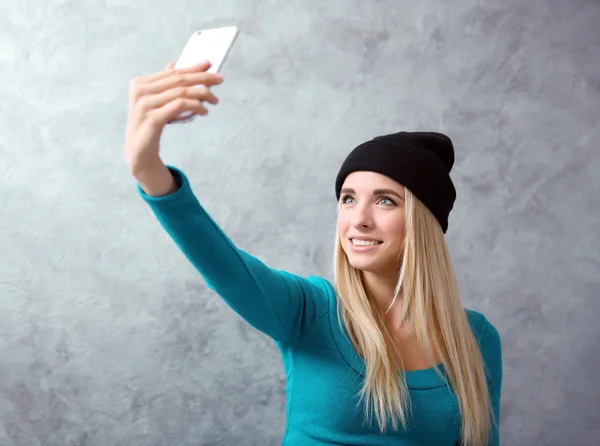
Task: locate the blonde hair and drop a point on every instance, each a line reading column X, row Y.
column 428, row 292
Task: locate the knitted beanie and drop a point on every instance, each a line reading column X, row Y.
column 420, row 161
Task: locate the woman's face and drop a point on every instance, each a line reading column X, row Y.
column 371, row 222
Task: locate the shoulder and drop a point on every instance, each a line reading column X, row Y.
column 316, row 290
column 490, row 343
column 323, row 287
column 480, row 324
column 318, row 285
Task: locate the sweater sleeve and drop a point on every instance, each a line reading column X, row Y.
column 282, row 305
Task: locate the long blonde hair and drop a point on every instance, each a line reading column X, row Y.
column 428, row 292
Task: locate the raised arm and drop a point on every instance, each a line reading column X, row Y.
column 282, row 305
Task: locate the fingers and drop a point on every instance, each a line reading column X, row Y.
column 177, row 78
column 144, row 86
column 171, row 110
column 198, row 93
column 170, row 68
column 163, row 96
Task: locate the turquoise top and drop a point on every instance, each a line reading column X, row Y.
column 323, row 370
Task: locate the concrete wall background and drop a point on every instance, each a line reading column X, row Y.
column 107, row 335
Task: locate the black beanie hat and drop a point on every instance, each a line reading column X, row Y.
column 420, row 161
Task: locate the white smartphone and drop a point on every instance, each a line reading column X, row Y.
column 206, row 44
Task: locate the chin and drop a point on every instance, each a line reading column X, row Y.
column 376, row 263
column 362, row 264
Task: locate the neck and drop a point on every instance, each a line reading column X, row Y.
column 381, row 289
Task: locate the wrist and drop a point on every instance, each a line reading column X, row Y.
column 156, row 180
column 144, row 169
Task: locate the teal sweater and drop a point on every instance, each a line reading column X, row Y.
column 323, row 371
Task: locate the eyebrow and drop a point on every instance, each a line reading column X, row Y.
column 375, row 192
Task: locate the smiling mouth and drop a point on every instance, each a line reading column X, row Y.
column 358, row 242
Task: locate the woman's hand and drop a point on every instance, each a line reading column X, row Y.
column 157, row 99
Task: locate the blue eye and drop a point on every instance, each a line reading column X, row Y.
column 392, row 202
column 344, row 199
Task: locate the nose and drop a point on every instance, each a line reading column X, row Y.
column 361, row 219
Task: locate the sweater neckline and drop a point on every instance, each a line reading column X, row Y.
column 425, row 379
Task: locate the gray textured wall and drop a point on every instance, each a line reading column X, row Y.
column 108, row 337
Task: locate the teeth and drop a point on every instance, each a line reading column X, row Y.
column 364, row 242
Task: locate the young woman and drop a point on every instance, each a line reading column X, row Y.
column 384, row 355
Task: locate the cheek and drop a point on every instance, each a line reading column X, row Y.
column 342, row 224
column 394, row 230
